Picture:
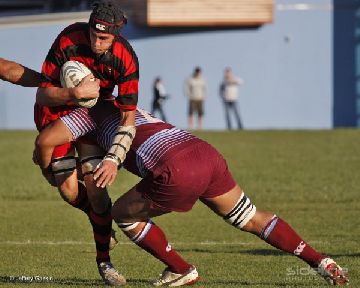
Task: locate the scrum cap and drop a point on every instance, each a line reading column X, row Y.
column 107, row 17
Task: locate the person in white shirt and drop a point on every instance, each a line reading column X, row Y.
column 229, row 92
column 195, row 90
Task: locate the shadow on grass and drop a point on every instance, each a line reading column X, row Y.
column 264, row 252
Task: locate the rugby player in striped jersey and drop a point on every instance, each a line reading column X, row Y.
column 177, row 169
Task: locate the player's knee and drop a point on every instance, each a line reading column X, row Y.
column 88, row 164
column 242, row 213
column 68, row 191
column 121, row 218
column 259, row 222
column 43, row 140
column 119, row 212
column 49, row 176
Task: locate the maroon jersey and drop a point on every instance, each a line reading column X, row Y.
column 155, row 141
column 177, row 168
column 119, row 66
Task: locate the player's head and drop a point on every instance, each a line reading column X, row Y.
column 106, row 21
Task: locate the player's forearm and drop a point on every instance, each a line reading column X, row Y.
column 55, row 96
column 30, row 78
column 17, row 74
column 123, row 138
column 128, row 118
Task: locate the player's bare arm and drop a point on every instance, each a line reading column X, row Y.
column 17, row 74
column 55, row 96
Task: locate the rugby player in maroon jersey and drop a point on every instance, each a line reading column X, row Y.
column 171, row 162
column 177, row 169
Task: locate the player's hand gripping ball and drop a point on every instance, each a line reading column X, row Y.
column 71, row 74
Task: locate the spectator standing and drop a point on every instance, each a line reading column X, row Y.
column 195, row 90
column 229, row 92
column 159, row 94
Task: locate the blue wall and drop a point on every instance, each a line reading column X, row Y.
column 287, row 67
column 346, row 63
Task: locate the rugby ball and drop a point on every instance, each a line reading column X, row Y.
column 71, row 74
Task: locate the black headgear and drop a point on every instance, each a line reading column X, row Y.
column 107, row 17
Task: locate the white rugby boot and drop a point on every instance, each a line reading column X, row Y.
column 113, row 240
column 171, row 279
column 110, row 275
column 332, row 272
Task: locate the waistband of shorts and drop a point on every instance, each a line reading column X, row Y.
column 178, row 151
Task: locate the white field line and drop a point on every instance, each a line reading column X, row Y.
column 203, row 243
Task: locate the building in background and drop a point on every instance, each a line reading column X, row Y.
column 29, row 7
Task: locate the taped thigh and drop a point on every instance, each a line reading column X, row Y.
column 126, row 227
column 242, row 212
column 90, row 156
column 64, row 164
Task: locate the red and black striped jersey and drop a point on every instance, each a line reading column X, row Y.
column 119, row 66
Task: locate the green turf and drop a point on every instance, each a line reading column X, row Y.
column 310, row 178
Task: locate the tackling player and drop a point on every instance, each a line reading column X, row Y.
column 178, row 169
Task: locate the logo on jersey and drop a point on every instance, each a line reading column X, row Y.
column 299, row 249
column 168, row 248
column 100, row 27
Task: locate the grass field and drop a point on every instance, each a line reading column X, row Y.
column 310, row 178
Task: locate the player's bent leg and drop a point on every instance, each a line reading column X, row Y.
column 133, row 215
column 133, row 207
column 63, row 167
column 73, row 192
column 98, row 197
column 90, row 156
column 237, row 210
column 99, row 214
column 55, row 134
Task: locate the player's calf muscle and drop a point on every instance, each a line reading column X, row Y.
column 258, row 222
